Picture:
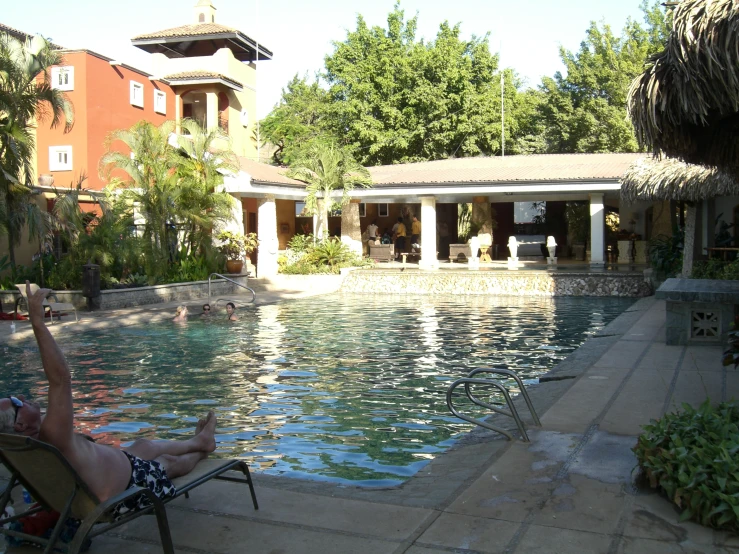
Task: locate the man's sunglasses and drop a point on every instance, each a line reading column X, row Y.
column 17, row 405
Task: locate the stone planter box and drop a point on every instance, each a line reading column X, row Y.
column 459, row 252
column 382, row 252
column 129, row 298
column 699, row 311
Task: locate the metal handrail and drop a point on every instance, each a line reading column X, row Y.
column 253, row 294
column 507, row 373
column 471, row 380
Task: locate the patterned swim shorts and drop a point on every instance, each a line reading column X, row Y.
column 147, row 474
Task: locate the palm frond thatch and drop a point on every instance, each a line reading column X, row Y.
column 686, row 103
column 671, row 179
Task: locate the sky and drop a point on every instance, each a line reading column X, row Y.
column 528, row 33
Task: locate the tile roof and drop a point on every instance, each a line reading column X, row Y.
column 532, row 168
column 199, row 76
column 265, row 173
column 194, row 29
column 21, row 35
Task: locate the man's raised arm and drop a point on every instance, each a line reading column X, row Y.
column 57, row 427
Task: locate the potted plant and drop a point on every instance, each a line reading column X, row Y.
column 234, row 246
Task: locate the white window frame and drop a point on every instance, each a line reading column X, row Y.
column 362, row 209
column 383, row 210
column 60, row 158
column 160, row 102
column 137, row 99
column 64, row 72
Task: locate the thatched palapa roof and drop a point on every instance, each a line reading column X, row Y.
column 671, row 179
column 686, row 104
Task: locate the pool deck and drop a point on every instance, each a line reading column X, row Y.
column 570, row 490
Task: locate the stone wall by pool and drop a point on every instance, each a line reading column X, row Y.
column 529, row 283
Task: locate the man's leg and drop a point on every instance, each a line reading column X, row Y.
column 202, row 442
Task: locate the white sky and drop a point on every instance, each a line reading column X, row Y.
column 299, row 33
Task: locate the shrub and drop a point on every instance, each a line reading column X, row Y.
column 666, row 254
column 692, row 457
column 715, row 269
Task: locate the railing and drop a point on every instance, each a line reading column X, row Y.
column 253, row 294
column 471, row 380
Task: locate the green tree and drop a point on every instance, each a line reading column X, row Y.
column 26, row 96
column 172, row 193
column 299, row 119
column 584, row 110
column 397, row 99
column 326, row 168
column 201, row 204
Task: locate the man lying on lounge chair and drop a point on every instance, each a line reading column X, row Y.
column 106, row 470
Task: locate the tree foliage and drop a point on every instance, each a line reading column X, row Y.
column 326, row 168
column 173, row 193
column 390, row 97
column 584, row 110
column 26, row 96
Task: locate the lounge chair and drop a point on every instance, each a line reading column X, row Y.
column 52, row 482
column 53, row 307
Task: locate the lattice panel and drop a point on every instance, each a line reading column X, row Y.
column 705, row 324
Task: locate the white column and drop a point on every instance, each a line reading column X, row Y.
column 267, row 234
column 351, row 233
column 597, row 230
column 428, row 233
column 236, row 224
column 211, row 111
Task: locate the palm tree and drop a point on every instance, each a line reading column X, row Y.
column 148, row 186
column 171, row 189
column 26, row 96
column 201, row 202
column 326, row 168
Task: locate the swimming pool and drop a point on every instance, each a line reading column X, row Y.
column 346, row 388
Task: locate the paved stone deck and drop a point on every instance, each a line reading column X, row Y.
column 570, row 490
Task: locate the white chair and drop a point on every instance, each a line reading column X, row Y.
column 55, row 306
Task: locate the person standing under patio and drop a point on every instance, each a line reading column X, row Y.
column 399, row 233
column 372, row 230
column 415, row 232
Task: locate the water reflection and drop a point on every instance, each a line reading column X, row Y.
column 351, row 390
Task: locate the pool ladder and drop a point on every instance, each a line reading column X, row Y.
column 471, row 380
column 253, row 294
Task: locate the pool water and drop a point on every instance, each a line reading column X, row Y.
column 343, row 388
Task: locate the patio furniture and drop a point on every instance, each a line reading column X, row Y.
column 53, row 307
column 382, row 252
column 55, row 485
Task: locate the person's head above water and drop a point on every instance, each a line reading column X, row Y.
column 20, row 416
column 230, row 308
column 206, row 308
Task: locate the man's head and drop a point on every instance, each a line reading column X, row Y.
column 415, row 218
column 17, row 415
column 206, row 308
column 400, row 220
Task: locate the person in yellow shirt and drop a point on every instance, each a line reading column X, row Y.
column 415, row 232
column 399, row 232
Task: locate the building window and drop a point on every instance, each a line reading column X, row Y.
column 137, row 94
column 160, row 102
column 362, row 209
column 62, row 78
column 382, row 210
column 60, row 158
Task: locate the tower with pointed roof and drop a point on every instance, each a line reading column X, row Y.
column 212, row 69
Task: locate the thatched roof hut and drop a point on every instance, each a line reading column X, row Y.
column 686, row 104
column 671, row 179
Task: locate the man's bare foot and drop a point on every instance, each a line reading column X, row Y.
column 199, row 427
column 206, row 435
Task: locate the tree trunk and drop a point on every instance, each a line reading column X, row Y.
column 689, row 241
column 322, row 227
column 11, row 248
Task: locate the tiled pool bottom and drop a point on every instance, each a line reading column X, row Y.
column 346, row 388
